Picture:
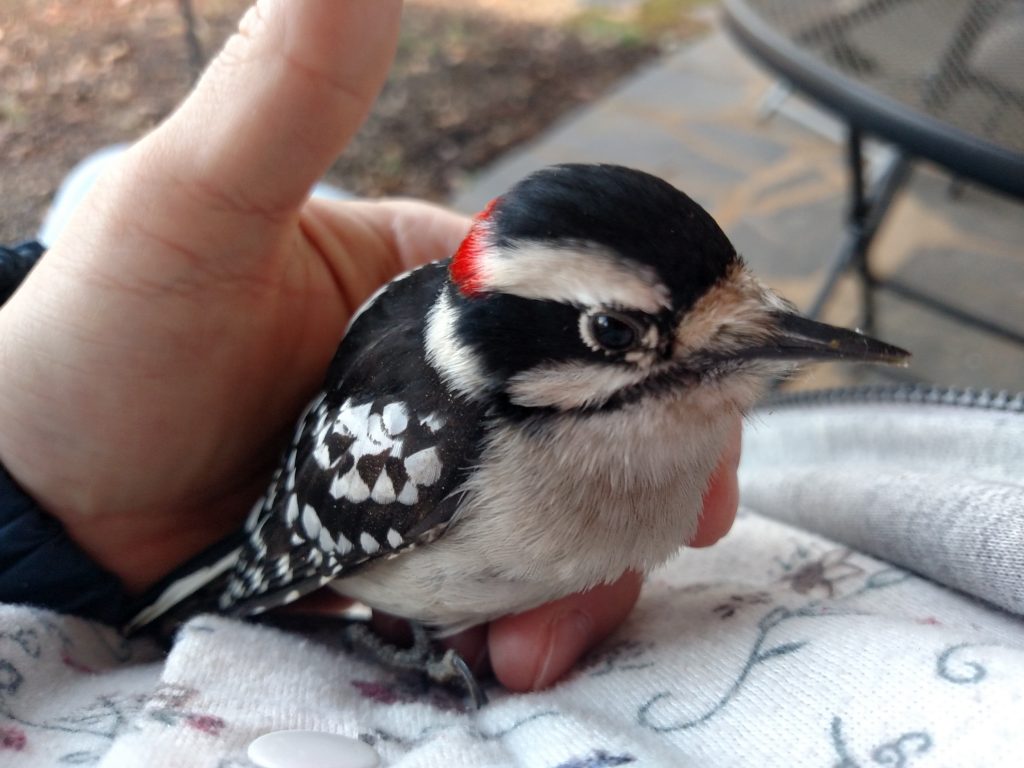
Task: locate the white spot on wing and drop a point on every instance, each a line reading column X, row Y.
column 395, row 418
column 383, row 490
column 423, row 467
column 310, row 522
column 409, row 494
column 432, row 421
column 368, row 543
column 325, row 541
column 322, row 456
column 291, row 513
column 350, row 486
column 375, row 432
column 352, row 419
column 344, row 545
column 394, row 538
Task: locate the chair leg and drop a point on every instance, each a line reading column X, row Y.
column 858, row 210
column 866, row 209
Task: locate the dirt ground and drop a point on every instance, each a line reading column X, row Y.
column 471, row 80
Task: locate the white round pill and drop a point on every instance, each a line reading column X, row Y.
column 311, row 749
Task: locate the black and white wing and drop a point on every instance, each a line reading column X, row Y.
column 366, row 478
column 374, row 469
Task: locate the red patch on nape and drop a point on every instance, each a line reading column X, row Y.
column 465, row 266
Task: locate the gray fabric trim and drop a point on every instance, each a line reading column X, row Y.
column 935, row 489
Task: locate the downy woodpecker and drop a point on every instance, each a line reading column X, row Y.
column 527, row 419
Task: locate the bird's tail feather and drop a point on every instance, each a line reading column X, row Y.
column 193, row 588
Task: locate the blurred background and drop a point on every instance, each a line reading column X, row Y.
column 472, row 79
column 484, row 91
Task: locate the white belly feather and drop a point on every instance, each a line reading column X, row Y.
column 546, row 517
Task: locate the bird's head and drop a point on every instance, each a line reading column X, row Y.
column 590, row 287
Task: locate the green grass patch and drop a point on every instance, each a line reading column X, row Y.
column 650, row 21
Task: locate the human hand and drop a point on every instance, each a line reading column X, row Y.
column 156, row 356
column 155, row 360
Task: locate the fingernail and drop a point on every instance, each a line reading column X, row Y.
column 569, row 638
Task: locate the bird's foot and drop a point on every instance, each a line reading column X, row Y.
column 423, row 656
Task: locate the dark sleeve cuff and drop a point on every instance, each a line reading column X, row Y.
column 40, row 565
column 15, row 262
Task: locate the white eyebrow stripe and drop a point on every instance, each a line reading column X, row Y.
column 581, row 274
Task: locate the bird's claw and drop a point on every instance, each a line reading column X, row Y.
column 421, row 657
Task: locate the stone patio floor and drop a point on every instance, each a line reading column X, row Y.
column 776, row 184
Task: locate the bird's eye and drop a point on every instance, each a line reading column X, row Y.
column 614, row 332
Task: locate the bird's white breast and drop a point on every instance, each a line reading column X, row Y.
column 557, row 511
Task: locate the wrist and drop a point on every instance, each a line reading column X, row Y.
column 40, row 564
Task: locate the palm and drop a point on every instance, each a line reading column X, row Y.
column 176, row 391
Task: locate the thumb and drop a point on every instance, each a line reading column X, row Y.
column 274, row 109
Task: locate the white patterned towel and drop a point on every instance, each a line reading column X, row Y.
column 778, row 647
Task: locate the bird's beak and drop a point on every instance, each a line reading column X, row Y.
column 797, row 338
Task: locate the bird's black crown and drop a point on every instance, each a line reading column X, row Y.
column 636, row 215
